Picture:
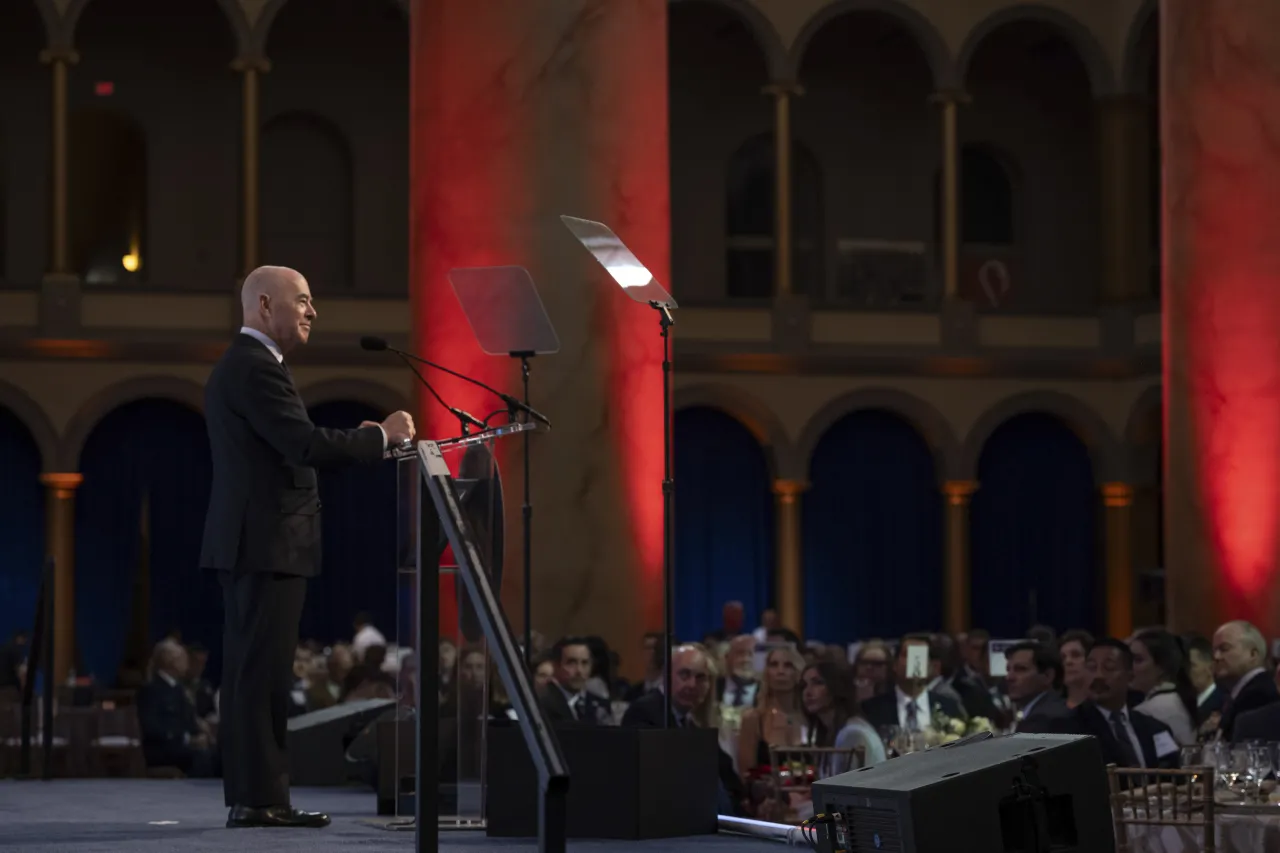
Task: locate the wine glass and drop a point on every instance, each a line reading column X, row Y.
column 1260, row 763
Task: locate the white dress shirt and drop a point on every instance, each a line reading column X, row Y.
column 923, row 720
column 275, row 350
column 366, row 637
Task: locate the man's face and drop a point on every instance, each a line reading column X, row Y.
column 873, row 666
column 289, row 312
column 1232, row 657
column 769, row 619
column 1109, row 677
column 738, row 660
column 1023, row 681
column 543, row 675
column 471, row 672
column 574, row 668
column 1073, row 661
column 975, row 654
column 690, row 679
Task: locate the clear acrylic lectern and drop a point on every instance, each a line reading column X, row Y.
column 450, row 539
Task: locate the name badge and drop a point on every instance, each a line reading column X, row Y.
column 1165, row 744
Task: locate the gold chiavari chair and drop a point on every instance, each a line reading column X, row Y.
column 796, row 768
column 1178, row 798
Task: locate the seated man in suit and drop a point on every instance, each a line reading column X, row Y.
column 910, row 705
column 1209, row 696
column 1032, row 679
column 1129, row 738
column 565, row 700
column 171, row 734
column 690, row 707
column 1239, row 665
column 738, row 688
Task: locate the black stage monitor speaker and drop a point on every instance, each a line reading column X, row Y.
column 318, row 741
column 1015, row 794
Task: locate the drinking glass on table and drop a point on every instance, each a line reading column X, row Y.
column 1261, row 764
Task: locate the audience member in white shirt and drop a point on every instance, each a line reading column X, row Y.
column 366, row 635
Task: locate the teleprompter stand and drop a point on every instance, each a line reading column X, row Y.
column 448, row 515
column 508, row 319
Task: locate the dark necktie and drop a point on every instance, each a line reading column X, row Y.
column 739, row 691
column 1128, row 758
column 913, row 717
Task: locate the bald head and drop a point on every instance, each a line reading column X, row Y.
column 277, row 302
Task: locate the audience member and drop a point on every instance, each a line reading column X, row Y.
column 911, row 705
column 368, row 680
column 1209, row 696
column 769, row 621
column 366, row 636
column 565, row 700
column 1032, row 679
column 738, row 687
column 1239, row 665
column 199, row 690
column 776, row 719
column 1073, row 650
column 1160, row 673
column 651, row 649
column 172, row 735
column 544, row 669
column 1044, row 635
column 833, row 719
column 871, row 670
column 1128, row 738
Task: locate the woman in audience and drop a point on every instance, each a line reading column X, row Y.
column 1073, row 648
column 776, row 719
column 1160, row 673
column 832, row 718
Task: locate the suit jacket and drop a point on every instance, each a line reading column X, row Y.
column 1046, row 714
column 166, row 717
column 1212, row 704
column 592, row 710
column 264, row 507
column 882, row 710
column 976, row 698
column 1089, row 719
column 1259, row 724
column 1258, row 692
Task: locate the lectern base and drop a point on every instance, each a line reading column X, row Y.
column 623, row 783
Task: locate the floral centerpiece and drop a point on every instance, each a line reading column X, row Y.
column 945, row 729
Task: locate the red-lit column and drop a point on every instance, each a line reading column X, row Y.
column 1220, row 105
column 522, row 112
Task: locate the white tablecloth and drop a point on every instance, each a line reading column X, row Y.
column 1236, row 833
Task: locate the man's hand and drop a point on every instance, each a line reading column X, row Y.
column 399, row 428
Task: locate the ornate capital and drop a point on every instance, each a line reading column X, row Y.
column 959, row 492
column 65, row 55
column 950, row 96
column 789, row 490
column 62, row 485
column 783, row 88
column 1117, row 494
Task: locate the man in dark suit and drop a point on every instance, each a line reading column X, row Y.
column 262, row 533
column 565, row 699
column 1128, row 738
column 1209, row 696
column 172, row 736
column 1033, row 675
column 1239, row 665
column 910, row 706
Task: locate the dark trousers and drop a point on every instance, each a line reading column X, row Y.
column 260, row 638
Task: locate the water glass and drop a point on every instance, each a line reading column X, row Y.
column 1191, row 756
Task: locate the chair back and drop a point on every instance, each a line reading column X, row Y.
column 796, row 768
column 1178, row 798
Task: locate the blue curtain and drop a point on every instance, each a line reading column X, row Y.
column 1034, row 530
column 359, row 540
column 21, row 526
column 723, row 524
column 872, row 531
column 160, row 449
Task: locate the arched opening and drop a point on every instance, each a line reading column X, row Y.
column 24, row 145
column 716, row 70
column 139, row 526
column 1033, row 102
column 1034, row 529
column 872, row 531
column 348, row 63
column 864, row 70
column 307, row 199
column 155, row 145
column 724, row 521
column 749, row 219
column 1146, row 448
column 21, row 526
column 358, row 544
column 107, row 162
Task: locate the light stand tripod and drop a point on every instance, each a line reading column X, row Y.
column 526, row 519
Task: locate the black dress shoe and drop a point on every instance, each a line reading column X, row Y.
column 286, row 816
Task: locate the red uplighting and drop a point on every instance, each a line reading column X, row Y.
column 103, row 88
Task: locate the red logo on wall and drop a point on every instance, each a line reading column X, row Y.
column 987, row 278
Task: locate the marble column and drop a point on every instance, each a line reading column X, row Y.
column 1125, row 175
column 1117, row 502
column 250, row 69
column 789, row 570
column 60, row 544
column 1220, row 109
column 60, row 289
column 522, row 112
column 958, row 581
column 949, row 188
column 782, row 228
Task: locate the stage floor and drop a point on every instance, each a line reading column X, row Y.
column 101, row 815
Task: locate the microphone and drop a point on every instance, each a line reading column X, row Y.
column 465, row 418
column 375, row 344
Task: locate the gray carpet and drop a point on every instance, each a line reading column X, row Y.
column 100, row 815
